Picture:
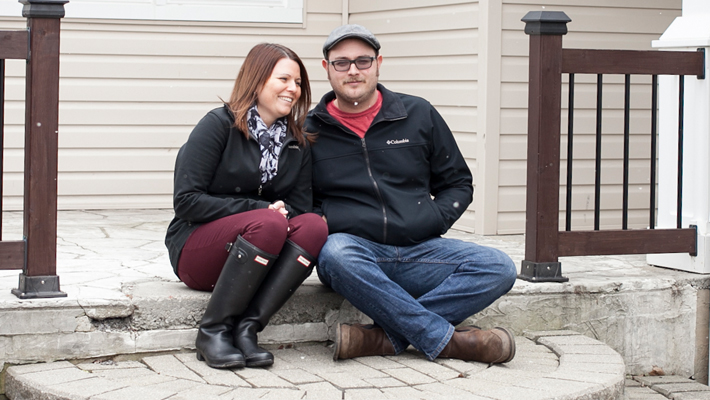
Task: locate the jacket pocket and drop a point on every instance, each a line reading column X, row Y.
column 440, row 228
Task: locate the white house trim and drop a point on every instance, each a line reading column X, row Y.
column 281, row 11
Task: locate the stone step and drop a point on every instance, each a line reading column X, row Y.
column 123, row 298
column 548, row 365
column 639, row 319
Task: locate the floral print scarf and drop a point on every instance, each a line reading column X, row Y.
column 270, row 141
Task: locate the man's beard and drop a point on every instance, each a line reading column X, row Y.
column 343, row 96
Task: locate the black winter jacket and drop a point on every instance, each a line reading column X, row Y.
column 381, row 187
column 217, row 174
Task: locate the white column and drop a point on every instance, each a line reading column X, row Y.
column 689, row 32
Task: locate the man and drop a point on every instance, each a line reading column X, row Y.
column 389, row 179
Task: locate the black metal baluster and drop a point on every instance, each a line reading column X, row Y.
column 654, row 145
column 625, row 198
column 598, row 159
column 570, row 125
column 681, row 93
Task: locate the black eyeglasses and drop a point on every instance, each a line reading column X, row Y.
column 344, row 65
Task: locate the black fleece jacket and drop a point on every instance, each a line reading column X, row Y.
column 404, row 183
column 217, row 174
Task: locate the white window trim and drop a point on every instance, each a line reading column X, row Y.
column 276, row 11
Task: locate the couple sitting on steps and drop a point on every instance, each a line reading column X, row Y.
column 363, row 186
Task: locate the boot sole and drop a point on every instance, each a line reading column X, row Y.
column 259, row 363
column 512, row 344
column 338, row 341
column 336, row 351
column 234, row 364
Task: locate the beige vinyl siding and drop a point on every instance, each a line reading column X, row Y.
column 131, row 92
column 631, row 24
column 13, row 155
column 429, row 49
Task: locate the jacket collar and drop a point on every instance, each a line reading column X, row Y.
column 231, row 117
column 392, row 106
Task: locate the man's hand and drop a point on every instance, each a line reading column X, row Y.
column 280, row 207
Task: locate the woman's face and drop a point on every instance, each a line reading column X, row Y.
column 280, row 92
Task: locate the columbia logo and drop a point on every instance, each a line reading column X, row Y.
column 294, row 146
column 399, row 141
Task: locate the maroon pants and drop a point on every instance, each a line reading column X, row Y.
column 204, row 254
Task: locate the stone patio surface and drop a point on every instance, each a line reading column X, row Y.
column 114, row 335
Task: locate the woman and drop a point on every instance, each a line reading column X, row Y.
column 242, row 227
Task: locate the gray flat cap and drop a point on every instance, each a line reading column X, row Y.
column 349, row 31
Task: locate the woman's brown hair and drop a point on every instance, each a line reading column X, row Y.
column 256, row 70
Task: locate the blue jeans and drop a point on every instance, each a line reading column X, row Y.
column 416, row 293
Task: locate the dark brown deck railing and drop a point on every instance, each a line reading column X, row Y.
column 544, row 242
column 36, row 254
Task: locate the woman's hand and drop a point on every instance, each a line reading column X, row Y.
column 279, row 206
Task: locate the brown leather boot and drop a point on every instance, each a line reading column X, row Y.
column 471, row 344
column 359, row 340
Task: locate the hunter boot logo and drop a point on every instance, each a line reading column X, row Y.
column 261, row 260
column 303, row 260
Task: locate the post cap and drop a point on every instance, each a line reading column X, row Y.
column 43, row 8
column 546, row 23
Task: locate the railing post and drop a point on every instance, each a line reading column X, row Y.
column 38, row 278
column 543, row 183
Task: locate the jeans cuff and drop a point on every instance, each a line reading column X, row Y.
column 431, row 356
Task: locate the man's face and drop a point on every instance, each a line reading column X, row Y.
column 354, row 85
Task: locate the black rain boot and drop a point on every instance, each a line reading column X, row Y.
column 290, row 270
column 243, row 272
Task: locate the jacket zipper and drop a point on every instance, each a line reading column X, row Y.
column 377, row 190
column 367, row 161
